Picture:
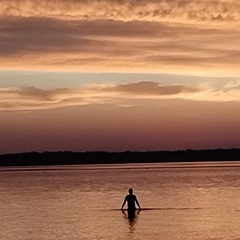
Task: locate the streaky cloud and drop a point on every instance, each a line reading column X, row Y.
column 233, row 85
column 152, row 88
column 35, row 92
column 31, row 98
column 42, row 93
column 107, row 45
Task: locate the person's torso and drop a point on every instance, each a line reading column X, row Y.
column 131, row 201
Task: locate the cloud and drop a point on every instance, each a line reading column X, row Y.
column 43, row 35
column 33, row 92
column 233, row 85
column 31, row 98
column 123, row 10
column 151, row 88
column 120, row 35
column 107, row 45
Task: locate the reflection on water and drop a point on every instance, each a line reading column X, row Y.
column 191, row 203
column 131, row 217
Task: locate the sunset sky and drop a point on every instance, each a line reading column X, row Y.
column 119, row 75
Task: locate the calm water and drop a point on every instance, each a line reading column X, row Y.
column 182, row 202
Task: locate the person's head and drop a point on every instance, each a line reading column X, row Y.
column 130, row 190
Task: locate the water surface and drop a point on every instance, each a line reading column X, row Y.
column 180, row 201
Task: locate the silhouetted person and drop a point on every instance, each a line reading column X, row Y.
column 131, row 199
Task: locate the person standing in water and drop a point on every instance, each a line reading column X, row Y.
column 131, row 199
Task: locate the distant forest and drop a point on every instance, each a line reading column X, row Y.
column 65, row 158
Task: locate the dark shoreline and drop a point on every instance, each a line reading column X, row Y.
column 95, row 157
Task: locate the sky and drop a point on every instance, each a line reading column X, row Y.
column 119, row 75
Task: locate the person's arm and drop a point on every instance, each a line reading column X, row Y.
column 124, row 202
column 138, row 203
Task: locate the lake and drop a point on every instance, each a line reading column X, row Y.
column 179, row 201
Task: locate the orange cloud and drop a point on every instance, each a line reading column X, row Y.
column 124, row 36
column 81, row 45
column 31, row 98
column 145, row 10
column 151, row 88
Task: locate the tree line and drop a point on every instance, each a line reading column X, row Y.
column 101, row 157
